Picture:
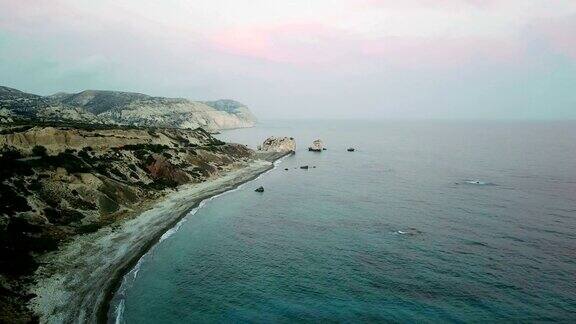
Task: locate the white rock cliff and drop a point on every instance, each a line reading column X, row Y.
column 124, row 108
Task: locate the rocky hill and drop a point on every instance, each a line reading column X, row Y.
column 123, row 108
column 59, row 182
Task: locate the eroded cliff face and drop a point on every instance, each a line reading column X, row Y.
column 123, row 108
column 57, row 182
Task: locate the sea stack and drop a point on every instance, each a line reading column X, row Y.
column 317, row 146
column 278, row 144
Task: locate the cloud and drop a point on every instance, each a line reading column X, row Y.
column 315, row 45
column 411, row 32
column 274, row 53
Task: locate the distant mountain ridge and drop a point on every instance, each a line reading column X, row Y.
column 123, row 108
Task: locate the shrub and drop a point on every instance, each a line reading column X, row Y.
column 10, row 153
column 117, row 173
column 84, row 154
column 39, row 150
column 89, row 228
column 64, row 217
column 11, row 202
column 70, row 162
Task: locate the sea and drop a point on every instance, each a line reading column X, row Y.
column 426, row 221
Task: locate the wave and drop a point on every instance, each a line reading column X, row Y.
column 119, row 312
column 478, row 183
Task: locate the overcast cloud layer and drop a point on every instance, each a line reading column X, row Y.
column 338, row 59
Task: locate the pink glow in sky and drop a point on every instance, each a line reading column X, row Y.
column 303, row 50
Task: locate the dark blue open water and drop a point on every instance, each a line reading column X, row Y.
column 391, row 232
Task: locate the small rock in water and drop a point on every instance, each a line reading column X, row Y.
column 317, row 146
column 314, row 167
column 305, row 167
column 324, row 149
column 351, row 149
column 286, row 169
column 477, row 182
column 259, row 189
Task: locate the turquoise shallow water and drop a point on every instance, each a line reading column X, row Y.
column 391, row 232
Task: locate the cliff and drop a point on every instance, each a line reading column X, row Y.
column 59, row 182
column 123, row 108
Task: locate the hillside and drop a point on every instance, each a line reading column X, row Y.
column 59, row 182
column 123, row 108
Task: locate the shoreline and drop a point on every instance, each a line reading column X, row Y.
column 105, row 313
column 78, row 282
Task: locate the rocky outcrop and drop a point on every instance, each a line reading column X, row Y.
column 124, row 108
column 317, row 146
column 279, row 145
column 160, row 168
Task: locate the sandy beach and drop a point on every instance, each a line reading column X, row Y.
column 76, row 282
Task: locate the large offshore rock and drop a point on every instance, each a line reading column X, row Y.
column 278, row 144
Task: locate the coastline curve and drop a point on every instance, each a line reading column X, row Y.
column 78, row 283
column 113, row 310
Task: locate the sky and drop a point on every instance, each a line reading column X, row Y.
column 390, row 59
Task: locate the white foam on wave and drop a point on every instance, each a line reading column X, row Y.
column 119, row 312
column 173, row 230
column 137, row 268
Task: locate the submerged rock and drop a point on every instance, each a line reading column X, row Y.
column 259, row 189
column 278, row 144
column 317, row 146
column 477, row 183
